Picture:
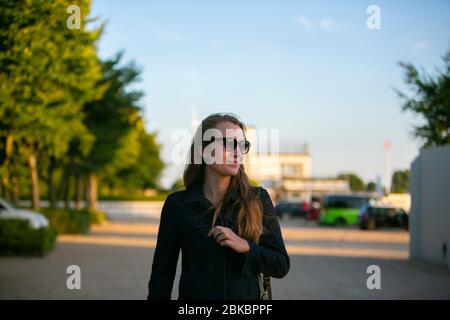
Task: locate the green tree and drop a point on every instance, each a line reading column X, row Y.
column 371, row 186
column 430, row 98
column 47, row 73
column 356, row 183
column 400, row 181
column 145, row 170
column 115, row 121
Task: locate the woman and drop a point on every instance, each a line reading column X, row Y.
column 227, row 230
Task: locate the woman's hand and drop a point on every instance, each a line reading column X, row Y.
column 226, row 237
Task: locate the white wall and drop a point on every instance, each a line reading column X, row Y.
column 430, row 205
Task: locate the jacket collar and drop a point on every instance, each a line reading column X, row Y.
column 195, row 193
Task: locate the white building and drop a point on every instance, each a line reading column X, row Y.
column 286, row 173
column 430, row 206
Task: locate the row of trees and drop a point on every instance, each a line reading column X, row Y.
column 400, row 182
column 67, row 118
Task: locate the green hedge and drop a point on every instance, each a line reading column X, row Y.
column 67, row 220
column 18, row 238
column 73, row 221
column 96, row 216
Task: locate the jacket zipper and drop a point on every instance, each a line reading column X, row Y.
column 226, row 220
column 225, row 269
column 225, row 260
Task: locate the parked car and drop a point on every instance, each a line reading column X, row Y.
column 9, row 211
column 373, row 217
column 288, row 208
column 314, row 210
column 342, row 209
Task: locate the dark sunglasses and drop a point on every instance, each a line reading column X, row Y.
column 231, row 144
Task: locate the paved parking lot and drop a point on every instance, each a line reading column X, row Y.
column 326, row 263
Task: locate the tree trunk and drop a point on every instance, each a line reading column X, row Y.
column 92, row 191
column 62, row 192
column 5, row 188
column 67, row 191
column 15, row 190
column 51, row 186
column 8, row 150
column 34, row 182
column 79, row 191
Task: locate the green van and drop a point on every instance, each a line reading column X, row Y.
column 342, row 209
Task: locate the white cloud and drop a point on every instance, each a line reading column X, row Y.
column 326, row 23
column 305, row 22
column 419, row 46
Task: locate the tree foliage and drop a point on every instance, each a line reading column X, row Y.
column 65, row 114
column 401, row 181
column 429, row 97
column 356, row 183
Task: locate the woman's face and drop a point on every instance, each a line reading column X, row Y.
column 228, row 159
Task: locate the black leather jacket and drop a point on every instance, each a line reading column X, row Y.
column 210, row 271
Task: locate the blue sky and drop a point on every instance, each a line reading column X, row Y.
column 309, row 68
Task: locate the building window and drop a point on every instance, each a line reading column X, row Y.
column 292, row 170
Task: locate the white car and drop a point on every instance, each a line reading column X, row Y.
column 8, row 211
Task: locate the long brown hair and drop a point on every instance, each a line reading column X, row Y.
column 249, row 218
